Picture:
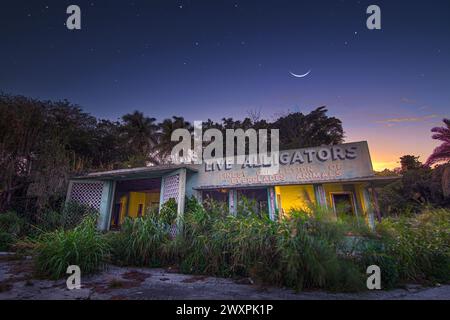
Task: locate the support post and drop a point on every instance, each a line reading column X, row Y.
column 232, row 201
column 181, row 197
column 106, row 205
column 375, row 203
column 321, row 198
column 272, row 203
column 368, row 208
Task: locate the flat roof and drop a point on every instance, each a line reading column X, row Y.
column 136, row 173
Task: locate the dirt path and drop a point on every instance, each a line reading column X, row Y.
column 17, row 282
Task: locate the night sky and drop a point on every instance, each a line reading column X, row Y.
column 214, row 59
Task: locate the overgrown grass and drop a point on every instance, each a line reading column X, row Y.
column 142, row 241
column 139, row 242
column 83, row 246
column 309, row 249
column 11, row 228
column 300, row 252
column 420, row 246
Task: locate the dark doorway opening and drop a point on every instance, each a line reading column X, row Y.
column 343, row 204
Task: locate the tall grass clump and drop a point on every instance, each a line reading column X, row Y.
column 140, row 242
column 314, row 252
column 199, row 255
column 11, row 228
column 298, row 252
column 83, row 246
column 247, row 245
column 310, row 248
column 420, row 246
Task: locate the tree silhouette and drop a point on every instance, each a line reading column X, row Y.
column 409, row 162
column 165, row 143
column 314, row 129
column 441, row 153
column 141, row 135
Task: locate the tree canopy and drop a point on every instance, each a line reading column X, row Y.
column 43, row 143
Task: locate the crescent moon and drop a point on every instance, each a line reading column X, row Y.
column 300, row 75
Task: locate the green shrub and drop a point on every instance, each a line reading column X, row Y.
column 11, row 228
column 50, row 220
column 6, row 241
column 309, row 249
column 247, row 245
column 309, row 258
column 420, row 245
column 139, row 242
column 168, row 212
column 74, row 213
column 376, row 255
column 11, row 223
column 297, row 252
column 83, row 246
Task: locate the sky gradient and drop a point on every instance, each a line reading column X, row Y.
column 215, row 59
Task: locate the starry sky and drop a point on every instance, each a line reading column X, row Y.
column 214, row 58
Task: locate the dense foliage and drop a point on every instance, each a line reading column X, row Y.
column 418, row 188
column 83, row 246
column 303, row 251
column 306, row 250
column 442, row 152
column 11, row 227
column 43, row 143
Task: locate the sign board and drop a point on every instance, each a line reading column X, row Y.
column 300, row 166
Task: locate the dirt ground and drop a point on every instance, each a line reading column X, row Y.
column 17, row 282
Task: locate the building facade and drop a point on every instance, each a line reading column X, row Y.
column 338, row 177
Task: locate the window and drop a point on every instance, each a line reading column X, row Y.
column 343, row 204
column 219, row 195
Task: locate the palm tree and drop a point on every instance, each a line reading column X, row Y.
column 165, row 143
column 141, row 134
column 441, row 153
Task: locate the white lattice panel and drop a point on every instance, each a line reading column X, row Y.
column 89, row 194
column 171, row 187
